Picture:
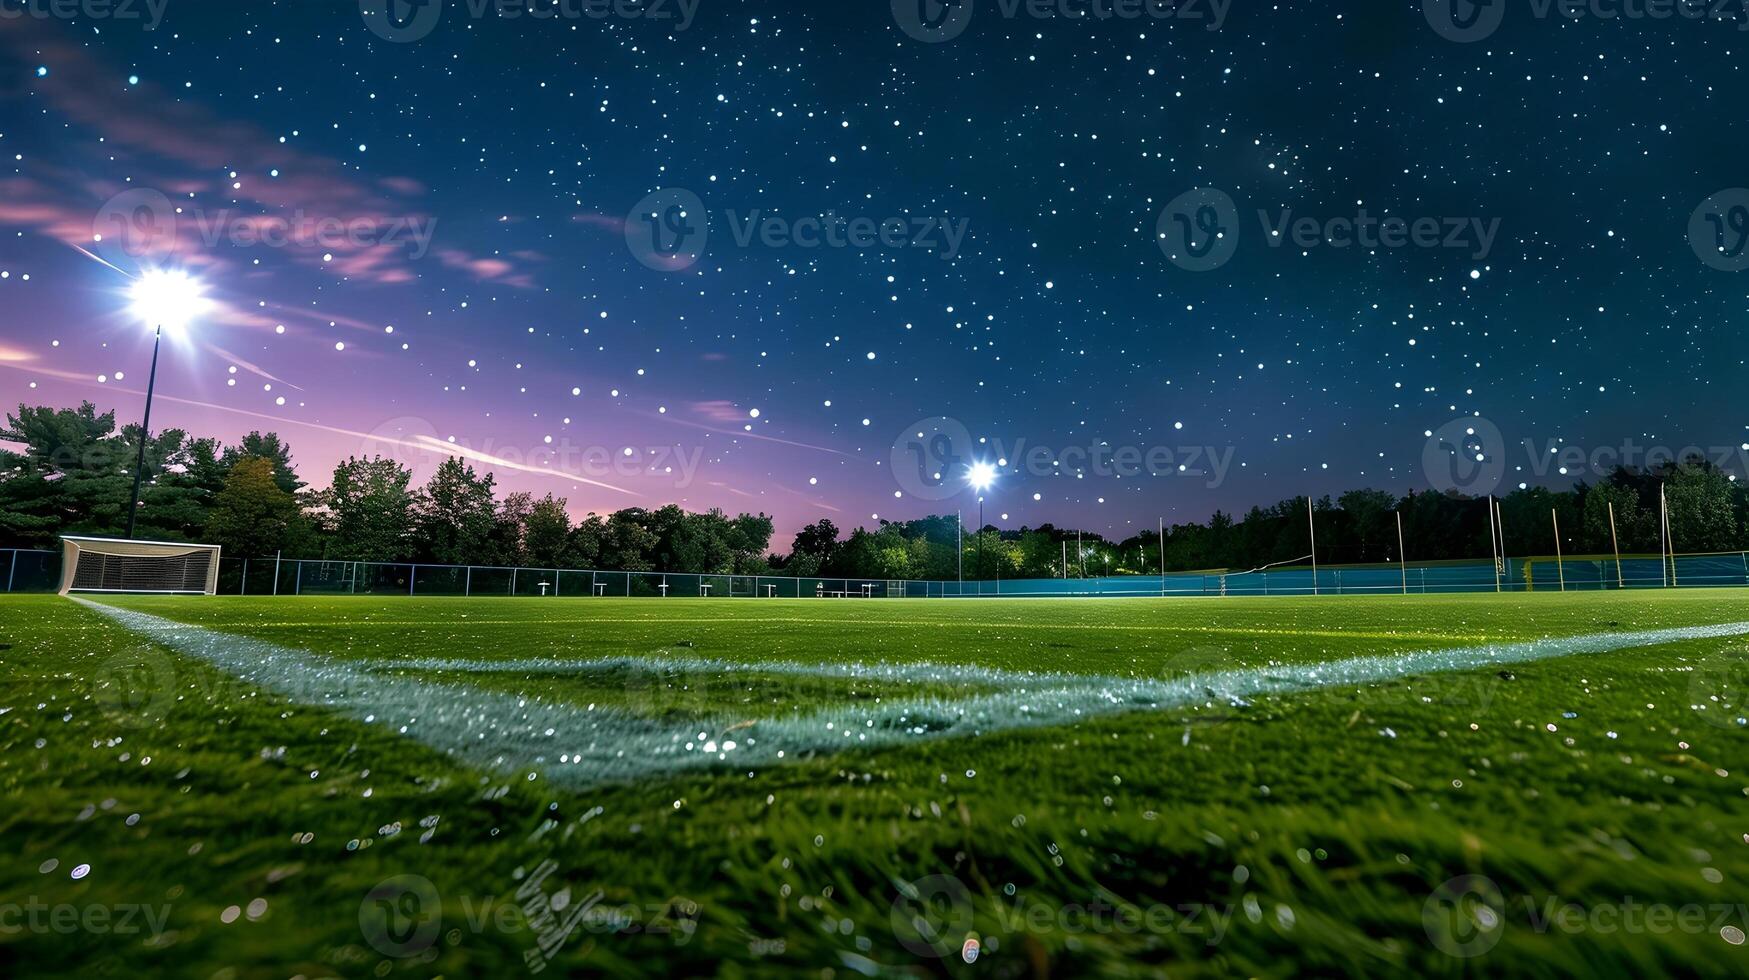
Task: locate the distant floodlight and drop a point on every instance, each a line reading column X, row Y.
column 980, row 476
column 167, row 298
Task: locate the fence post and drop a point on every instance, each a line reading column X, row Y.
column 298, row 583
column 468, row 582
column 244, row 588
column 13, row 571
column 513, row 581
column 412, row 574
column 555, row 583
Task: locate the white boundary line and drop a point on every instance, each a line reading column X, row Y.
column 581, row 746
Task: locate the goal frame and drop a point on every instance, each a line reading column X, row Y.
column 77, row 548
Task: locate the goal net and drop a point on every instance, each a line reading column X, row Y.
column 115, row 565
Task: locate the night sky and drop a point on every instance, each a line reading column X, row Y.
column 1063, row 319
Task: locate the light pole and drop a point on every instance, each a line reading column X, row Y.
column 981, row 476
column 162, row 299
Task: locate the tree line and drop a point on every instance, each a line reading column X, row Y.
column 75, row 471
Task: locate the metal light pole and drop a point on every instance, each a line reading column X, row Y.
column 162, row 298
column 980, row 476
column 980, row 544
column 145, row 429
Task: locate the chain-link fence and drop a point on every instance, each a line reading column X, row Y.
column 39, row 571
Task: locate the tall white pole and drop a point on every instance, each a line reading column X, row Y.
column 1313, row 528
column 1671, row 533
column 959, row 544
column 1663, row 538
column 1615, row 543
column 1559, row 567
column 1499, row 519
column 1162, row 556
column 1493, row 545
column 1402, row 557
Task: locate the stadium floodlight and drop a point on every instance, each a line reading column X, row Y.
column 981, row 475
column 167, row 299
column 115, row 565
column 162, row 299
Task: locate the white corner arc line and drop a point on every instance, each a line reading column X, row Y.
column 496, row 730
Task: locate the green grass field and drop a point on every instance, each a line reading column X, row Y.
column 412, row 787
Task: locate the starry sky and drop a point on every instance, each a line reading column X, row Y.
column 419, row 246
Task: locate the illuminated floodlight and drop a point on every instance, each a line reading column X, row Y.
column 980, row 476
column 167, row 299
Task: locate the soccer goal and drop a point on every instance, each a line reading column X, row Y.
column 116, row 565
